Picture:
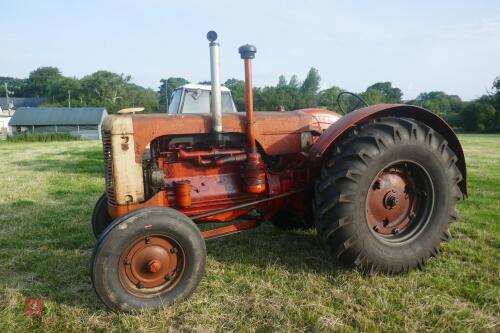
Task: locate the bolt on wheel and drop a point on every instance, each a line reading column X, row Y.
column 399, row 201
column 387, row 196
column 149, row 258
column 152, row 264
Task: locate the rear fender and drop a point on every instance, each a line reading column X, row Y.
column 364, row 115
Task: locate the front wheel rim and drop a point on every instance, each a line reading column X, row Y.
column 399, row 202
column 151, row 265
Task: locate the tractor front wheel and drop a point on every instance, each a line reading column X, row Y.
column 387, row 195
column 149, row 258
column 100, row 216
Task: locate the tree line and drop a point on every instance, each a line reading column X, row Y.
column 116, row 91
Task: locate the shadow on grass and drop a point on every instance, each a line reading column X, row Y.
column 48, row 255
column 46, row 246
column 293, row 251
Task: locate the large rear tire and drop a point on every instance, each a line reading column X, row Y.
column 149, row 258
column 387, row 195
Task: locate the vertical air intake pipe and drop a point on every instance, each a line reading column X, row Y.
column 254, row 173
column 247, row 53
column 216, row 96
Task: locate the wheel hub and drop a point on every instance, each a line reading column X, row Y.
column 152, row 263
column 391, row 201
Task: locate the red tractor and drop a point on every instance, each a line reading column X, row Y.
column 379, row 184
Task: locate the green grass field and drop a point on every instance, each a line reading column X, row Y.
column 261, row 280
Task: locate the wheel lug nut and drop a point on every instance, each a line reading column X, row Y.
column 174, row 250
column 376, row 185
column 375, row 228
column 395, row 231
column 411, row 216
column 148, row 240
column 140, row 285
column 168, row 277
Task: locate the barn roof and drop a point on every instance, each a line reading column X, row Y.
column 40, row 116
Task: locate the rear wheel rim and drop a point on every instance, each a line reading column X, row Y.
column 399, row 202
column 151, row 265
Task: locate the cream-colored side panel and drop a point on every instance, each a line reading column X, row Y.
column 127, row 174
column 118, row 124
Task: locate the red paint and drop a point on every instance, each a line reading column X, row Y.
column 223, row 176
column 183, row 193
column 364, row 115
column 230, row 229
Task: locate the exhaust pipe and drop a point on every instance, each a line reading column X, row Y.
column 255, row 176
column 216, row 96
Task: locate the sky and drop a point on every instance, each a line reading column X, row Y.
column 451, row 46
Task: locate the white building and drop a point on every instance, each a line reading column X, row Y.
column 5, row 116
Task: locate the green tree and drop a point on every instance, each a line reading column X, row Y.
column 17, row 87
column 294, row 82
column 105, row 88
column 137, row 96
column 478, row 117
column 58, row 87
column 439, row 102
column 282, row 81
column 310, row 88
column 169, row 85
column 496, row 99
column 374, row 96
column 39, row 81
column 383, row 92
column 115, row 92
column 237, row 88
column 328, row 98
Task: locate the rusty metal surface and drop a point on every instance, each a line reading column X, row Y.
column 363, row 115
column 248, row 204
column 183, row 193
column 276, row 132
column 254, row 174
column 221, row 187
column 249, row 106
column 228, row 230
column 152, row 265
column 213, row 156
column 391, row 201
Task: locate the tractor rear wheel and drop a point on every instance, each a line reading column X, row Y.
column 100, row 215
column 387, row 195
column 148, row 258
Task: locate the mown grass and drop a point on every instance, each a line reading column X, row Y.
column 259, row 281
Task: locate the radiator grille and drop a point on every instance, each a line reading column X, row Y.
column 108, row 167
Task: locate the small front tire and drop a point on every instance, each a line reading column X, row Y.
column 100, row 216
column 149, row 258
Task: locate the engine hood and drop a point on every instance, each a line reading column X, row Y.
column 276, row 132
